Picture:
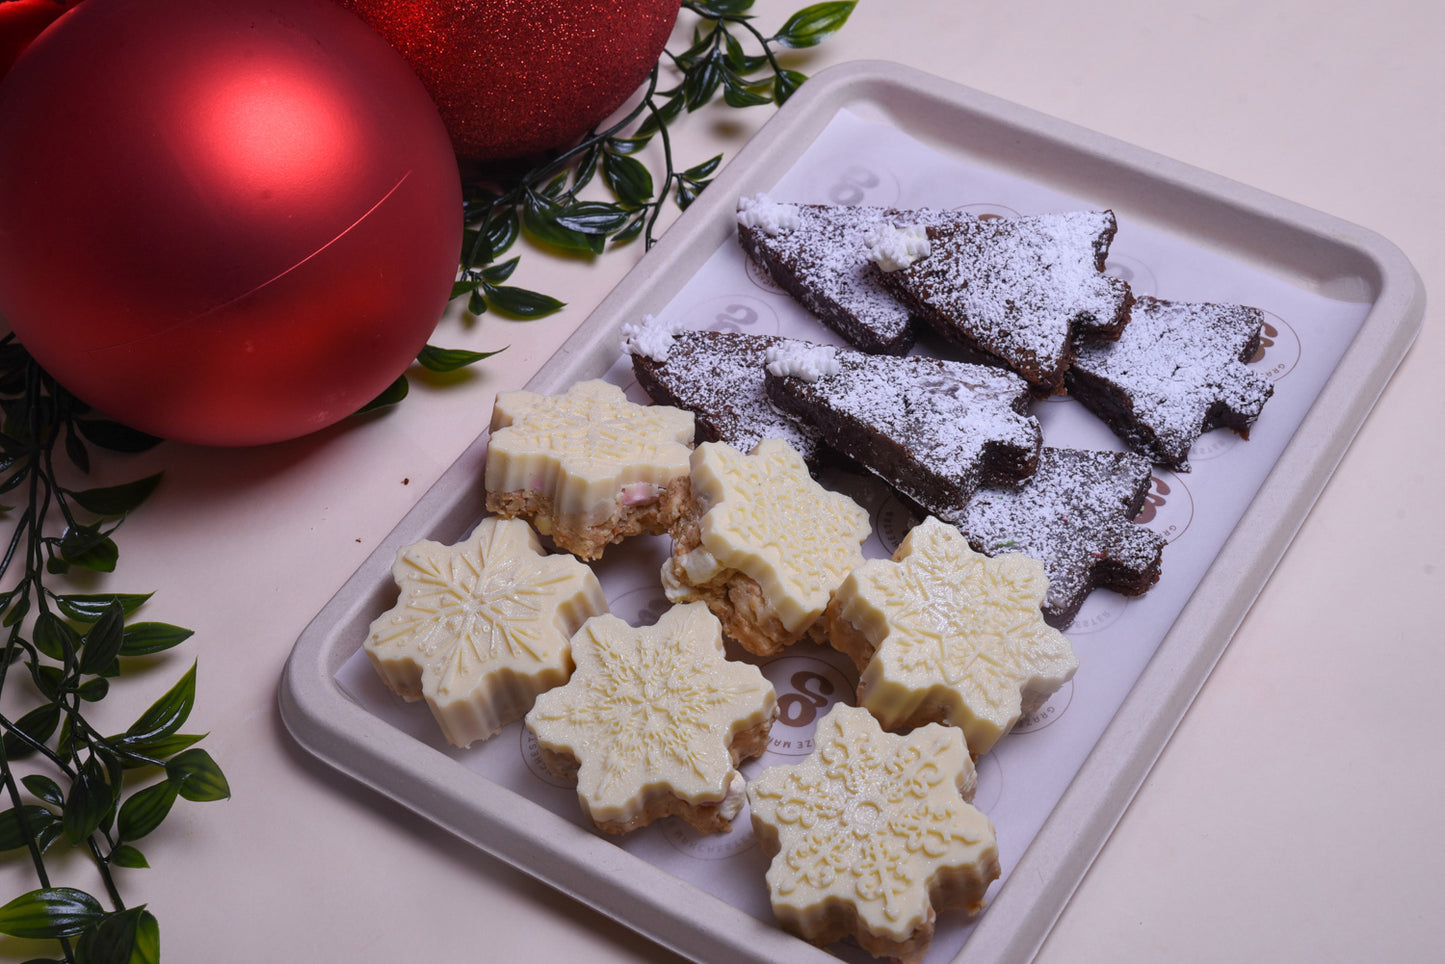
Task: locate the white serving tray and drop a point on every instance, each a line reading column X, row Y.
column 1310, row 253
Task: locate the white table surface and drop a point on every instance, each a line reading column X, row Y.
column 1294, row 816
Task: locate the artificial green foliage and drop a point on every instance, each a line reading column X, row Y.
column 63, row 782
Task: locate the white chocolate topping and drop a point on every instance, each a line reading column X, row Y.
column 894, row 247
column 765, row 516
column 768, row 216
column 802, row 360
column 652, row 338
column 954, row 631
column 652, row 712
column 482, row 627
column 870, row 821
column 586, row 448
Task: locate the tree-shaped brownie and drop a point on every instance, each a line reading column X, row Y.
column 718, row 376
column 1076, row 514
column 819, row 255
column 935, row 430
column 1017, row 291
column 1179, row 370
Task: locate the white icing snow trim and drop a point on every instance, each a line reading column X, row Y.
column 651, row 338
column 892, row 247
column 768, row 216
column 807, row 362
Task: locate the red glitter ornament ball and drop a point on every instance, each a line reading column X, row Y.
column 517, row 77
column 227, row 222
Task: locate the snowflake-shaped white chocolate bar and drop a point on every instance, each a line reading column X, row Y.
column 655, row 720
column 954, row 636
column 583, row 453
column 481, row 627
column 867, row 827
column 766, row 516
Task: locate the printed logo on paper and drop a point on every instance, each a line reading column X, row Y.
column 1102, row 608
column 1139, row 275
column 532, row 755
column 710, row 846
column 1169, row 507
column 1279, row 348
column 855, row 184
column 987, row 210
column 807, row 688
column 1051, row 710
column 742, row 313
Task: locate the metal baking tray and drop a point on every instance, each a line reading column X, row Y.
column 1304, row 248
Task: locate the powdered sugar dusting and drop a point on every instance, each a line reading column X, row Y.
column 933, row 429
column 1177, row 371
column 1076, row 515
column 823, row 262
column 718, row 376
column 1018, row 288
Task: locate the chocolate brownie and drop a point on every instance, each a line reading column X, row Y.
column 1017, row 291
column 718, row 376
column 816, row 253
column 1178, row 371
column 1076, row 514
column 935, row 430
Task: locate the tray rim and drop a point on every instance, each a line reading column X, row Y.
column 324, row 720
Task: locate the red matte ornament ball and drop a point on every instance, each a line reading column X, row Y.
column 518, row 77
column 227, row 222
column 21, row 22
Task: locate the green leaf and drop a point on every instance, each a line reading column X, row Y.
column 738, row 94
column 117, row 500
column 89, row 548
column 719, row 8
column 592, row 218
column 76, row 451
column 87, row 608
column 521, row 303
column 89, row 802
column 632, row 230
column 196, row 776
column 23, row 824
column 540, row 220
column 136, row 752
column 704, row 170
column 477, row 303
column 53, row 637
column 115, row 436
column 444, row 360
column 104, row 641
column 145, row 639
column 166, row 715
column 394, row 393
column 786, row 84
column 145, row 810
column 147, row 948
column 113, row 940
column 50, row 913
column 702, row 82
column 812, row 25
column 497, row 273
column 127, row 856
column 628, row 178
column 44, row 788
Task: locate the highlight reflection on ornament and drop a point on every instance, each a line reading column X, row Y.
column 223, row 221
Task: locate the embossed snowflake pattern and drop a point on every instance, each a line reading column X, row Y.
column 652, row 710
column 872, row 820
column 592, row 431
column 960, row 630
column 771, row 520
column 472, row 620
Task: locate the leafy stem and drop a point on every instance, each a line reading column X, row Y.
column 78, row 788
